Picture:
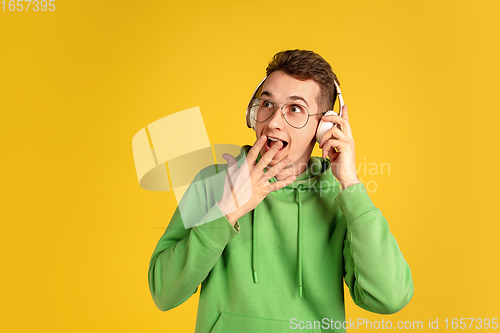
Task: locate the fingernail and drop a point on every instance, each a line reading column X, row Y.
column 262, row 138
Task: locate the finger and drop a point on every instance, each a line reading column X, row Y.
column 282, row 183
column 343, row 120
column 330, row 145
column 339, row 122
column 336, row 120
column 272, row 172
column 268, row 157
column 334, row 133
column 253, row 153
column 345, row 115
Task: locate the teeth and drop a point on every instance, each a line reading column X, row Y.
column 276, row 140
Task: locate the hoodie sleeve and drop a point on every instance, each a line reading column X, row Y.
column 378, row 277
column 185, row 255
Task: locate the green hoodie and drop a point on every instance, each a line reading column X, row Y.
column 281, row 267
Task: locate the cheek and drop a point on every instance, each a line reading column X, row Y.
column 316, row 125
column 310, row 130
column 258, row 130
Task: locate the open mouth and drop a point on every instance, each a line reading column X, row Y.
column 272, row 141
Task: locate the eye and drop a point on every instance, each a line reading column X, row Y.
column 267, row 104
column 296, row 108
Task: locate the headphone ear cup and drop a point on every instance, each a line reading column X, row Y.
column 251, row 110
column 251, row 118
column 324, row 126
column 248, row 118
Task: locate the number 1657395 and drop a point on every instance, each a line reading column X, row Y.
column 26, row 5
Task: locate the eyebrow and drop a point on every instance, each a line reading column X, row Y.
column 292, row 98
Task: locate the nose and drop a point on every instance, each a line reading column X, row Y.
column 276, row 120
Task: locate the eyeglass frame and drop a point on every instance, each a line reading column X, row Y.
column 282, row 113
column 248, row 112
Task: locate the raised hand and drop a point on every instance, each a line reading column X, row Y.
column 343, row 159
column 245, row 187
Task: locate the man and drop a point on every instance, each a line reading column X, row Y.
column 275, row 234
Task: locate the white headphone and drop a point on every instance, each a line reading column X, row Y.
column 322, row 126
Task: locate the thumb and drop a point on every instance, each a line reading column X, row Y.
column 232, row 164
column 345, row 114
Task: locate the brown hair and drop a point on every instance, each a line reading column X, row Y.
column 305, row 65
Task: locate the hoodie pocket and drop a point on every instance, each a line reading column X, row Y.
column 230, row 323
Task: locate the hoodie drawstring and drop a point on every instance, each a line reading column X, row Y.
column 299, row 238
column 254, row 248
column 299, row 241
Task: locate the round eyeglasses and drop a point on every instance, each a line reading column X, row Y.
column 295, row 114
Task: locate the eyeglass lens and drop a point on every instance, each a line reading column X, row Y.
column 295, row 114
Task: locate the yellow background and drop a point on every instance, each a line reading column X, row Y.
column 420, row 79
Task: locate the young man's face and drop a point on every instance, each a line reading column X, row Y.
column 283, row 88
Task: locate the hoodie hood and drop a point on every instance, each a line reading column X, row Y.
column 317, row 177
